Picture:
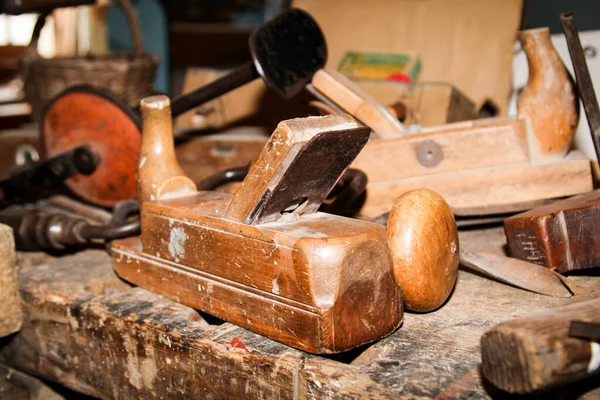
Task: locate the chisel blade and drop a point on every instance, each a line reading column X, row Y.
column 519, row 273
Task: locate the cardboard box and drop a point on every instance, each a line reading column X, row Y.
column 468, row 43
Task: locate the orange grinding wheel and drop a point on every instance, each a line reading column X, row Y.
column 83, row 115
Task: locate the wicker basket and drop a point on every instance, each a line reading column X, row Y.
column 127, row 76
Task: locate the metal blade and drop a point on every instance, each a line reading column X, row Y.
column 522, row 274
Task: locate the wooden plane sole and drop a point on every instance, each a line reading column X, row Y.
column 300, row 325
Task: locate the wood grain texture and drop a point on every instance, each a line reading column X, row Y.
column 11, row 315
column 88, row 330
column 490, row 190
column 536, row 352
column 425, row 248
column 462, row 146
column 323, row 284
column 548, row 103
column 358, row 103
column 562, row 236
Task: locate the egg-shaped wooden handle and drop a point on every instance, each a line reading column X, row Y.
column 425, row 250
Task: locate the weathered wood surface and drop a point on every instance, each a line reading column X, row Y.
column 539, row 351
column 562, row 236
column 90, row 331
column 11, row 315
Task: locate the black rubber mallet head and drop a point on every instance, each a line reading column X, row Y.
column 286, row 53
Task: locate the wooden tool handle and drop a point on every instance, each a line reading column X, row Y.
column 159, row 174
column 548, row 103
column 424, row 243
column 357, row 103
column 536, row 352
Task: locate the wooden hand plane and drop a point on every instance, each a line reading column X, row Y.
column 264, row 258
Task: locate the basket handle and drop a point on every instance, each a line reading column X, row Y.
column 32, row 52
column 134, row 26
column 124, row 5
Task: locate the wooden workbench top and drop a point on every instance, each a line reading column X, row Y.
column 92, row 332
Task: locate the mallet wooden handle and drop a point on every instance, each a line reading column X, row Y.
column 536, row 352
column 159, row 174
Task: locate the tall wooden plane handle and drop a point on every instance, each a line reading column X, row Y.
column 159, row 175
column 358, row 103
column 536, row 352
column 548, row 103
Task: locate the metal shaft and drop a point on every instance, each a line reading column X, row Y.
column 30, row 182
column 584, row 80
column 233, row 80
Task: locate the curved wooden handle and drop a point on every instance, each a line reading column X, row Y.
column 549, row 102
column 159, row 174
column 425, row 250
column 133, row 24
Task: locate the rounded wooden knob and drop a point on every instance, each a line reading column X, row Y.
column 424, row 243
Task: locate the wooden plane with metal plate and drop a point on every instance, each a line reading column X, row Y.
column 264, row 258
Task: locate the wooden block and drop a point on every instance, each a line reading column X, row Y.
column 536, row 352
column 11, row 315
column 427, row 103
column 298, row 283
column 490, row 190
column 447, row 148
column 562, row 236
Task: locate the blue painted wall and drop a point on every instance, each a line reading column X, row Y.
column 154, row 26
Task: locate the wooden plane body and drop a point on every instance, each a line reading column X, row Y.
column 479, row 167
column 323, row 283
column 562, row 236
column 265, row 258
